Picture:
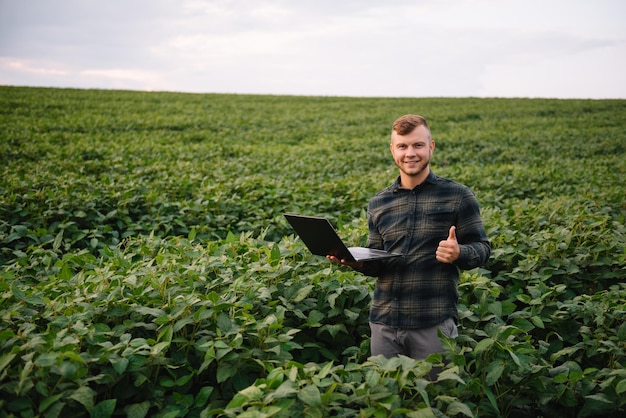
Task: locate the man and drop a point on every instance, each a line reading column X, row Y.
column 435, row 224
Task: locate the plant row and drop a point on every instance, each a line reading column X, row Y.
column 146, row 268
column 173, row 327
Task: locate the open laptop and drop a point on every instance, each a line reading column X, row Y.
column 321, row 239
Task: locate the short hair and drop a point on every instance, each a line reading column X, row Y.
column 404, row 125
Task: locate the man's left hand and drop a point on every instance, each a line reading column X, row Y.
column 449, row 251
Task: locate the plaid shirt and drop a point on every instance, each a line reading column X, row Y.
column 416, row 290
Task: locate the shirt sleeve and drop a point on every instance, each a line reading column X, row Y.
column 374, row 240
column 473, row 241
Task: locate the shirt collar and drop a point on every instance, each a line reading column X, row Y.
column 432, row 178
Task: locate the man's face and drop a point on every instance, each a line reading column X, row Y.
column 412, row 153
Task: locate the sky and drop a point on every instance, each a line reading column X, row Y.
column 365, row 48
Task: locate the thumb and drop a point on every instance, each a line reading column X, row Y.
column 452, row 234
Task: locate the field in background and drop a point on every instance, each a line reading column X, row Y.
column 146, row 269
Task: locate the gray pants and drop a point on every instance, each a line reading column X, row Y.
column 414, row 343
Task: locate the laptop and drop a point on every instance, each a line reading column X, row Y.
column 321, row 239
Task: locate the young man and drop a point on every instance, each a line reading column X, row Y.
column 435, row 224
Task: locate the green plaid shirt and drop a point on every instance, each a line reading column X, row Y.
column 416, row 290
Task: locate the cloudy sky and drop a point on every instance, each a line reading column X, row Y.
column 384, row 48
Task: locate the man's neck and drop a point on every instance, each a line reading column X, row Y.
column 411, row 182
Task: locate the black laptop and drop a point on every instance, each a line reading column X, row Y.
column 321, row 239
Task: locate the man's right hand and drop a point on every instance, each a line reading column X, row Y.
column 354, row 264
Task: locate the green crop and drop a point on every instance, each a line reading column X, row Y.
column 146, row 268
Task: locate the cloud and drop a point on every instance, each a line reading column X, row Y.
column 27, row 67
column 355, row 48
column 57, row 76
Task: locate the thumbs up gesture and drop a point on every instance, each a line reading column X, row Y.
column 449, row 250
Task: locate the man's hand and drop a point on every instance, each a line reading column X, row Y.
column 449, row 251
column 353, row 264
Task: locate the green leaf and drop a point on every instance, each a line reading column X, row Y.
column 137, row 410
column 19, row 232
column 484, row 344
column 352, row 316
column 537, row 321
column 159, row 347
column 495, row 308
column 286, row 389
column 275, row 254
column 145, row 310
column 621, row 332
column 568, row 398
column 119, row 364
column 620, row 387
column 335, row 329
column 225, row 371
column 456, row 407
column 492, row 400
column 419, row 413
column 324, row 371
column 224, row 323
column 177, row 411
column 166, row 334
column 293, row 373
column 515, row 358
column 17, row 292
column 302, row 293
column 74, row 356
column 35, row 300
column 181, row 323
column 104, row 409
column 314, row 319
column 167, row 381
column 237, row 401
column 311, row 396
column 450, row 374
column 69, row 369
column 47, row 359
column 252, row 393
column 45, row 403
column 231, row 238
column 597, row 405
column 203, row 396
column 523, row 324
column 5, row 360
column 162, row 319
column 58, row 240
column 560, row 378
column 494, row 371
column 54, row 411
column 567, row 352
column 85, row 396
column 66, row 272
column 182, row 380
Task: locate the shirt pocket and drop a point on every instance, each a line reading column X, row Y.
column 441, row 218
